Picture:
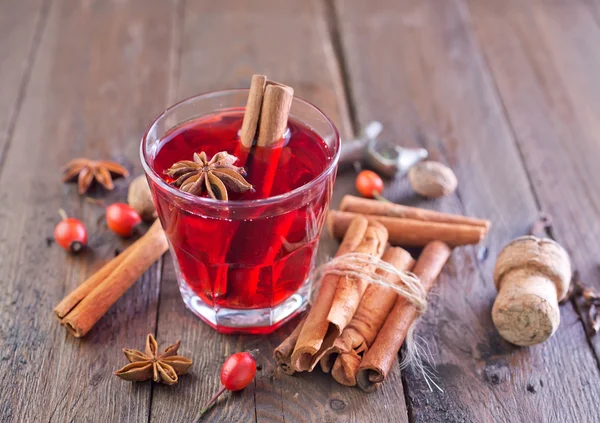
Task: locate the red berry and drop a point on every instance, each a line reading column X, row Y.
column 122, row 219
column 70, row 234
column 369, row 184
column 238, row 371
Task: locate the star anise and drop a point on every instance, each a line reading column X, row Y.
column 214, row 176
column 87, row 170
column 163, row 368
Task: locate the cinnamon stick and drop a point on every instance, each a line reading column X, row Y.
column 276, row 105
column 349, row 290
column 411, row 232
column 361, row 205
column 266, row 113
column 71, row 300
column 344, row 302
column 344, row 357
column 283, row 353
column 378, row 360
column 276, row 102
column 252, row 114
column 315, row 326
column 135, row 261
column 273, row 125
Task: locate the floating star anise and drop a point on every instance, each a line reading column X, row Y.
column 214, row 176
column 87, row 170
column 163, row 368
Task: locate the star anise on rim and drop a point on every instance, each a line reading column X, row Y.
column 164, row 368
column 87, row 171
column 214, row 176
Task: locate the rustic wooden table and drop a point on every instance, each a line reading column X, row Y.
column 506, row 92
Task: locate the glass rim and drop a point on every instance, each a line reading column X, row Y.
column 196, row 200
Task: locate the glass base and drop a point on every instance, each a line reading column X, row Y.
column 250, row 321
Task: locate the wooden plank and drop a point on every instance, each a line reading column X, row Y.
column 21, row 24
column 289, row 42
column 100, row 76
column 552, row 107
column 415, row 65
column 594, row 7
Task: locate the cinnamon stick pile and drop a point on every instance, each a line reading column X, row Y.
column 354, row 330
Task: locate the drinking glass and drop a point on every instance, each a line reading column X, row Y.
column 242, row 266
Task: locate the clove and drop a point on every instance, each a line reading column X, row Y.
column 589, row 299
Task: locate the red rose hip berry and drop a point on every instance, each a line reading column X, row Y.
column 122, row 219
column 70, row 233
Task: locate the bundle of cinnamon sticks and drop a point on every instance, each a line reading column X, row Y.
column 354, row 329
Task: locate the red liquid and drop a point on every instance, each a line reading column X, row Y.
column 260, row 259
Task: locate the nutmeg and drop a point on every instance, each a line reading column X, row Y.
column 532, row 275
column 432, row 179
column 140, row 198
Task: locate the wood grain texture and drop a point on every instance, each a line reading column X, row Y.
column 91, row 93
column 506, row 93
column 289, row 42
column 553, row 109
column 428, row 82
column 21, row 24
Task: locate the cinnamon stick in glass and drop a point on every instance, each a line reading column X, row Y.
column 265, row 119
column 353, row 204
column 276, row 104
column 411, row 232
column 269, row 128
column 126, row 269
column 379, row 359
column 283, row 353
column 251, row 118
column 338, row 298
column 345, row 355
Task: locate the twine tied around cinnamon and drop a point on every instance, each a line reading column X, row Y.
column 364, row 266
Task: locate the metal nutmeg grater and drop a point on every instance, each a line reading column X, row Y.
column 382, row 156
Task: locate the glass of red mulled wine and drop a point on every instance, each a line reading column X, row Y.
column 243, row 265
